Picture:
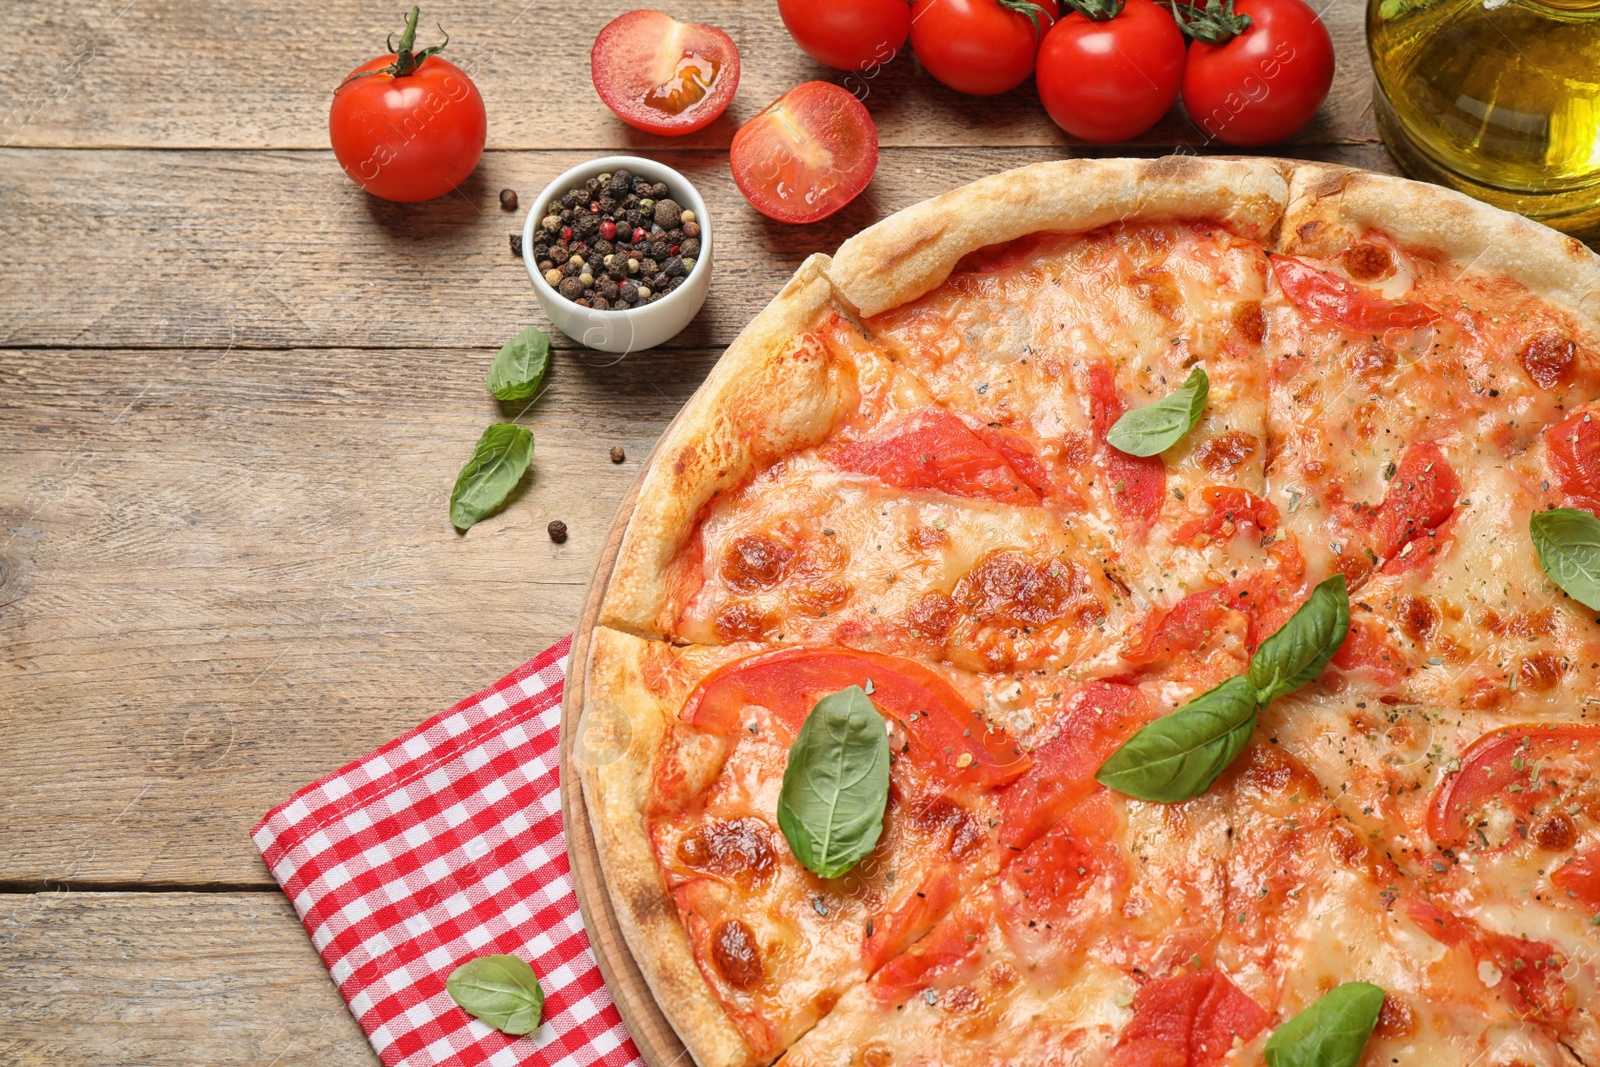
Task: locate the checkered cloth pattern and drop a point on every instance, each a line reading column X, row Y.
column 442, row 845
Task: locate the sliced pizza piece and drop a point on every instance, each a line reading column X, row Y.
column 1313, row 903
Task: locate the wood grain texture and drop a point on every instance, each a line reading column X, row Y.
column 218, row 249
column 225, row 574
column 176, row 979
column 186, row 73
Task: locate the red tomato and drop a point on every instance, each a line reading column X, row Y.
column 1422, row 494
column 408, row 126
column 848, row 34
column 951, row 949
column 1138, row 483
column 1233, row 511
column 662, row 75
column 1041, row 884
column 1267, row 82
column 1189, row 1020
column 1573, row 445
column 1096, row 721
column 940, row 728
column 1497, row 769
column 1110, row 80
column 807, row 155
column 1535, row 989
column 1189, row 625
column 980, row 47
column 1579, row 878
column 1367, row 648
column 934, row 449
column 1326, row 296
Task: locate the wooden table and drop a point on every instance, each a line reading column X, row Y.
column 234, row 394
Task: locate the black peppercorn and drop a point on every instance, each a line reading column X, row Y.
column 658, row 190
column 508, row 199
column 673, row 267
column 691, row 229
column 690, row 247
column 571, row 287
column 516, row 245
column 558, row 531
column 617, row 455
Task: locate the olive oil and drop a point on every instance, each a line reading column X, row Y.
column 1497, row 98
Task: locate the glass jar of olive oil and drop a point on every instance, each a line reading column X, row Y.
column 1497, row 98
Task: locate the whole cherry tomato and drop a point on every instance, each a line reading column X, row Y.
column 662, row 75
column 980, row 47
column 1111, row 76
column 807, row 154
column 409, row 125
column 1258, row 69
column 848, row 34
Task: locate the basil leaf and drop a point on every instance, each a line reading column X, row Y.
column 836, row 786
column 496, row 466
column 503, row 991
column 1568, row 543
column 1180, row 754
column 1302, row 647
column 1332, row 1032
column 518, row 369
column 1156, row 427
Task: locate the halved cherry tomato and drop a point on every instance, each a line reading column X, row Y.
column 1573, row 445
column 1422, row 494
column 662, row 75
column 848, row 34
column 1499, row 768
column 1367, row 648
column 807, row 155
column 1095, row 722
column 408, row 126
column 1041, row 884
column 1265, row 83
column 980, row 47
column 1190, row 1020
column 1109, row 79
column 941, row 730
column 934, row 449
column 1138, row 484
column 1330, row 298
column 1187, row 625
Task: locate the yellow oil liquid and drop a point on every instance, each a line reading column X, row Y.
column 1497, row 98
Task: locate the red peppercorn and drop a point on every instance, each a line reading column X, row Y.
column 594, row 207
column 674, row 251
column 639, row 234
column 566, row 233
column 608, row 230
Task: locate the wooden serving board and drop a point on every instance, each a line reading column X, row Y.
column 652, row 1034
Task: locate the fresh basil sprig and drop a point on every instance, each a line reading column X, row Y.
column 1333, row 1032
column 1568, row 543
column 1156, row 427
column 836, row 786
column 503, row 991
column 1179, row 755
column 1300, row 650
column 498, row 463
column 518, row 369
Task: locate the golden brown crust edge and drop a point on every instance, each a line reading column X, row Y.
column 1330, row 206
column 912, row 251
column 623, row 721
column 766, row 397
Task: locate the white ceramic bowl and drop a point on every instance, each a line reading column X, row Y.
column 629, row 329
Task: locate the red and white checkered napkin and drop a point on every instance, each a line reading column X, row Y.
column 442, row 845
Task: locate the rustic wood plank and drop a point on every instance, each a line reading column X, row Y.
column 207, row 980
column 224, row 574
column 191, row 74
column 124, row 248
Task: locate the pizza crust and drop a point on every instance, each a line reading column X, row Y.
column 623, row 720
column 1331, row 206
column 912, row 251
column 766, row 397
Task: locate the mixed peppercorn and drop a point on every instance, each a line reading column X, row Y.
column 618, row 242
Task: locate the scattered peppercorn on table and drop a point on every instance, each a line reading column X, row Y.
column 236, row 391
